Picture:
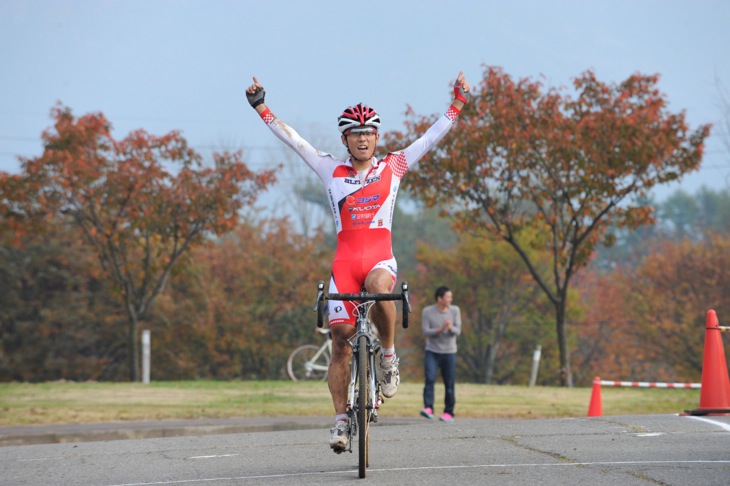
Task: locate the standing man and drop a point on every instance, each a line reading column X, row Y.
column 441, row 324
column 361, row 190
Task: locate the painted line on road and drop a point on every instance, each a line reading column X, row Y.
column 722, row 425
column 212, row 457
column 423, row 468
column 42, row 459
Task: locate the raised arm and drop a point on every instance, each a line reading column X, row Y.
column 413, row 153
column 320, row 162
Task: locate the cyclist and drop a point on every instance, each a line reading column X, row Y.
column 361, row 191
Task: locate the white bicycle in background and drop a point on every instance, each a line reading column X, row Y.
column 310, row 362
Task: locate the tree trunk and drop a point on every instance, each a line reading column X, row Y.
column 491, row 359
column 566, row 374
column 502, row 319
column 133, row 348
column 482, row 324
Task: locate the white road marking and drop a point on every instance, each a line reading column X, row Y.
column 722, row 425
column 649, row 434
column 424, row 468
column 41, row 459
column 211, row 457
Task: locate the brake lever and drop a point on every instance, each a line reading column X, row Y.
column 320, row 294
column 406, row 304
column 319, row 305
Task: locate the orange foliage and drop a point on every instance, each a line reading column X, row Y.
column 502, row 312
column 242, row 304
column 522, row 157
column 648, row 324
column 140, row 202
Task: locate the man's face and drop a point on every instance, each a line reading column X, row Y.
column 446, row 299
column 361, row 144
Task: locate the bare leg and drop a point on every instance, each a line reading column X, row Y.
column 380, row 281
column 338, row 377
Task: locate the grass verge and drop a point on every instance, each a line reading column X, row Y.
column 93, row 402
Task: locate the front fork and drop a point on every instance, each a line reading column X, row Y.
column 353, row 388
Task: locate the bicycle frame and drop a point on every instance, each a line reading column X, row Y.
column 362, row 410
column 363, row 328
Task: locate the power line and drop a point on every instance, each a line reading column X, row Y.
column 19, row 139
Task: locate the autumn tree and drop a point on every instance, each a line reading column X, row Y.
column 241, row 304
column 500, row 303
column 522, row 156
column 59, row 318
column 670, row 295
column 140, row 202
column 647, row 322
column 607, row 345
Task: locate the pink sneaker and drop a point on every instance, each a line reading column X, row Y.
column 427, row 412
column 446, row 417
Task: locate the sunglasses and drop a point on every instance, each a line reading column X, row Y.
column 368, row 132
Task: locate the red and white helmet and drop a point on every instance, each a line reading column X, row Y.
column 358, row 117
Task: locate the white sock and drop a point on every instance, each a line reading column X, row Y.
column 387, row 353
column 342, row 417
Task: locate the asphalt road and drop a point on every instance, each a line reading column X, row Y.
column 610, row 450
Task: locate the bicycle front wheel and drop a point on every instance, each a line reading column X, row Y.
column 363, row 398
column 307, row 363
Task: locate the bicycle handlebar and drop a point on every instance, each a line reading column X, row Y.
column 363, row 296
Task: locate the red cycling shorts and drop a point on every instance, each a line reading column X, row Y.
column 358, row 253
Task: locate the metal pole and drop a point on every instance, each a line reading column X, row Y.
column 535, row 364
column 146, row 356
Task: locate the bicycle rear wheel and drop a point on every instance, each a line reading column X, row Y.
column 363, row 414
column 300, row 366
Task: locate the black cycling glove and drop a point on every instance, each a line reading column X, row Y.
column 257, row 98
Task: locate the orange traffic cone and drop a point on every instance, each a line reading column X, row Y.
column 594, row 408
column 715, row 393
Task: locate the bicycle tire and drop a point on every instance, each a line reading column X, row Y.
column 363, row 372
column 295, row 364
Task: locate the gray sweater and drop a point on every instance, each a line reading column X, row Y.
column 432, row 319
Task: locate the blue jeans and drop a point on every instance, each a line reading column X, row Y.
column 447, row 363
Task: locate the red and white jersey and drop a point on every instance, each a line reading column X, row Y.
column 362, row 208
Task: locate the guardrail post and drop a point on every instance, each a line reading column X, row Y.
column 535, row 364
column 146, row 356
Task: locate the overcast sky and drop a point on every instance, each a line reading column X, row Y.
column 166, row 65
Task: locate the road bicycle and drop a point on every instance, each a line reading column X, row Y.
column 310, row 362
column 363, row 395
